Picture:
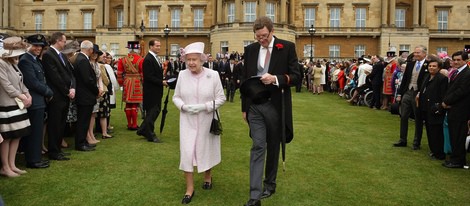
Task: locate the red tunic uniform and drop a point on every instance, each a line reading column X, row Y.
column 388, row 74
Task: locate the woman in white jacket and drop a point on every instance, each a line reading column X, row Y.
column 196, row 91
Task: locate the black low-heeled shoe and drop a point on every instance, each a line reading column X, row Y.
column 207, row 185
column 187, row 198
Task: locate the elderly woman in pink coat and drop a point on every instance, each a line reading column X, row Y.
column 196, row 91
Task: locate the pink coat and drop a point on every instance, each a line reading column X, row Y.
column 198, row 147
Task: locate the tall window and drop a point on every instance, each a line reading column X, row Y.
column 38, row 21
column 335, row 15
column 62, row 21
column 174, row 49
column 334, row 51
column 400, row 18
column 198, row 18
column 175, row 18
column 309, row 17
column 307, row 48
column 87, row 20
column 153, row 18
column 250, row 11
column 359, row 50
column 230, row 12
column 405, row 47
column 361, row 17
column 224, row 47
column 271, row 11
column 120, row 18
column 114, row 48
column 442, row 19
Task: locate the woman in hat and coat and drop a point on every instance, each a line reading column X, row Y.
column 14, row 99
column 197, row 91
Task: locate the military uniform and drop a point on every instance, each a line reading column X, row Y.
column 130, row 77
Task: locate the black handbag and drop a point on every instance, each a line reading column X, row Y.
column 216, row 126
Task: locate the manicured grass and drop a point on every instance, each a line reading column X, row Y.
column 340, row 155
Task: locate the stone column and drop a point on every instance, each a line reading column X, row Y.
column 106, row 13
column 238, row 11
column 283, row 11
column 214, row 12
column 219, row 11
column 393, row 5
column 126, row 13
column 384, row 12
column 415, row 13
column 423, row 12
column 132, row 13
column 291, row 10
column 1, row 14
column 6, row 13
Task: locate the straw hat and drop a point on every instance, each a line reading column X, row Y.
column 13, row 47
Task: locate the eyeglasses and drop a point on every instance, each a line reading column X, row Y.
column 261, row 37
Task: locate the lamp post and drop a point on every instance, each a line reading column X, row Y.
column 142, row 43
column 166, row 31
column 311, row 31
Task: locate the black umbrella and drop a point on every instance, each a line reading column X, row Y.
column 171, row 85
column 283, row 126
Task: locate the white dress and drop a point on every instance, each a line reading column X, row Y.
column 198, row 147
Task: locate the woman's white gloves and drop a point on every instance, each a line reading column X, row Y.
column 194, row 108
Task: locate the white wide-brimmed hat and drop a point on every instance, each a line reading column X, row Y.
column 193, row 48
column 12, row 47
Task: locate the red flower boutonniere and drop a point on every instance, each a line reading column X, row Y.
column 279, row 46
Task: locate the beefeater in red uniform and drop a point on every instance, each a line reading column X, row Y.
column 130, row 78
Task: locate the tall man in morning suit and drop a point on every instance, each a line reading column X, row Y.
column 275, row 60
column 87, row 93
column 457, row 103
column 153, row 91
column 413, row 77
column 60, row 79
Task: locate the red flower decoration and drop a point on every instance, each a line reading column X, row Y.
column 279, row 46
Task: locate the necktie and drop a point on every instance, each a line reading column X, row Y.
column 266, row 60
column 418, row 65
column 61, row 58
column 453, row 74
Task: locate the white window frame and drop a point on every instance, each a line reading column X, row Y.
column 442, row 19
column 198, row 18
column 114, row 48
column 62, row 20
column 361, row 17
column 334, row 51
column 230, row 12
column 175, row 18
column 405, row 47
column 250, row 11
column 174, row 49
column 307, row 48
column 309, row 16
column 88, row 20
column 441, row 49
column 119, row 18
column 38, row 20
column 224, row 44
column 400, row 17
column 359, row 50
column 153, row 18
column 335, row 17
column 271, row 11
column 247, row 42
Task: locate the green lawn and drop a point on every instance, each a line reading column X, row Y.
column 340, row 155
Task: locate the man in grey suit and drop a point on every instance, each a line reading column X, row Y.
column 275, row 62
column 153, row 91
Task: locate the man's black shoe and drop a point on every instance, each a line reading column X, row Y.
column 416, row 147
column 267, row 193
column 58, row 157
column 253, row 202
column 65, row 153
column 452, row 165
column 85, row 148
column 37, row 165
column 154, row 140
column 400, row 144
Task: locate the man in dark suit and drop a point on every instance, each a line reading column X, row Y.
column 33, row 78
column 457, row 101
column 153, row 91
column 87, row 92
column 275, row 61
column 376, row 79
column 415, row 73
column 231, row 78
column 60, row 79
column 210, row 64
